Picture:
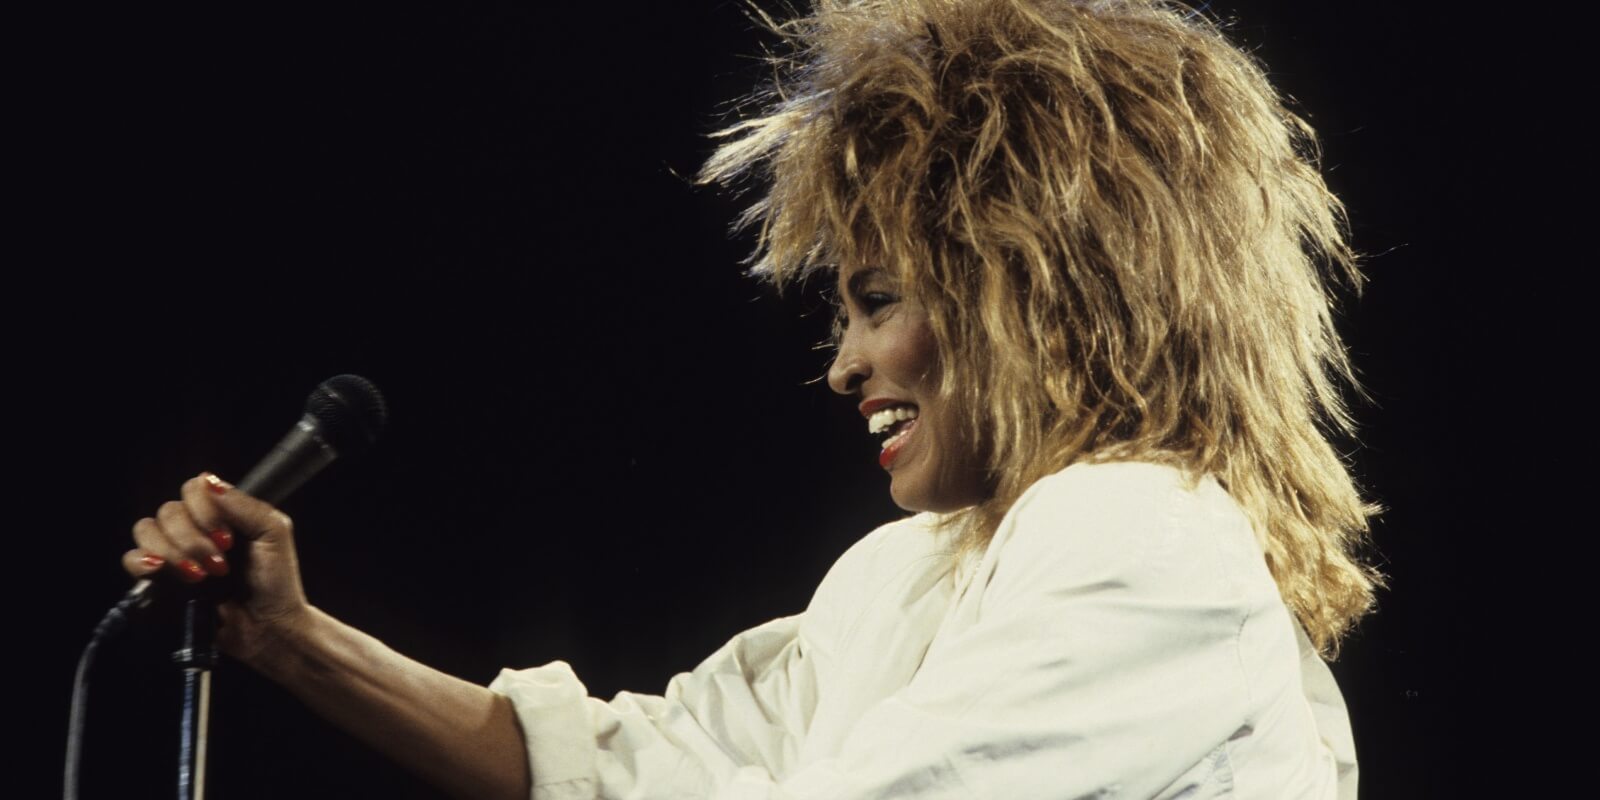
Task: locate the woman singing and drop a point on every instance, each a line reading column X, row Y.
column 1076, row 250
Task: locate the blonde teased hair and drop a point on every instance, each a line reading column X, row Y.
column 1114, row 225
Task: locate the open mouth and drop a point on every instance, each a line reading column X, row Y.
column 894, row 424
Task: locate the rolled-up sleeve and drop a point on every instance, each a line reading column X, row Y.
column 742, row 709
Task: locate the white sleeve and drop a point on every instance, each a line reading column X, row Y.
column 744, row 708
column 1102, row 661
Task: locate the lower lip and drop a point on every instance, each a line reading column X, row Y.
column 888, row 454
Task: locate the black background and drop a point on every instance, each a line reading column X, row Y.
column 607, row 444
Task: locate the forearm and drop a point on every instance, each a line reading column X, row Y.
column 455, row 734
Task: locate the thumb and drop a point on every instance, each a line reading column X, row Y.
column 250, row 517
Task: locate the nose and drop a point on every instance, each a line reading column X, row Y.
column 850, row 367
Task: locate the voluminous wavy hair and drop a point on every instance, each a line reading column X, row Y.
column 1118, row 231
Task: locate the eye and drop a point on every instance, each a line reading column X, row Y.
column 872, row 302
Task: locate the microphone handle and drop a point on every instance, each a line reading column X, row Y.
column 300, row 454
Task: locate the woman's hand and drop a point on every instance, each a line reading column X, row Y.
column 190, row 540
column 458, row 735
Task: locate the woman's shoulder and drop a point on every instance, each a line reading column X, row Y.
column 1139, row 496
column 1129, row 524
column 1150, row 546
column 1122, row 485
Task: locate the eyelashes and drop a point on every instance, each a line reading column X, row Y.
column 872, row 302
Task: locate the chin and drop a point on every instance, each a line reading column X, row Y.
column 907, row 495
column 906, row 503
column 912, row 495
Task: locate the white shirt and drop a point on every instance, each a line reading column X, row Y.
column 1120, row 637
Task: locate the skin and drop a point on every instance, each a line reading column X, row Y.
column 889, row 351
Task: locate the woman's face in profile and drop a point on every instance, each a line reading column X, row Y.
column 888, row 361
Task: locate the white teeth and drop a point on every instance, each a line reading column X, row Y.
column 883, row 418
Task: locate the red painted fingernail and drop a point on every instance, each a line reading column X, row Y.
column 152, row 560
column 222, row 538
column 190, row 571
column 216, row 565
column 218, row 485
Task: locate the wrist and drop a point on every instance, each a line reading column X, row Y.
column 287, row 646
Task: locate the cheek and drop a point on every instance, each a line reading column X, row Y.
column 916, row 356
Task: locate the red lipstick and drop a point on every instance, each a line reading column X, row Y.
column 876, row 403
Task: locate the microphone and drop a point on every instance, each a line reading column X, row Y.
column 343, row 416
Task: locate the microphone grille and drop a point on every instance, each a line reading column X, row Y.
column 350, row 412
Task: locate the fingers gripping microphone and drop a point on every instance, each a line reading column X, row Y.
column 343, row 417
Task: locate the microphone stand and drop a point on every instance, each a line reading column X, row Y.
column 301, row 453
column 196, row 656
